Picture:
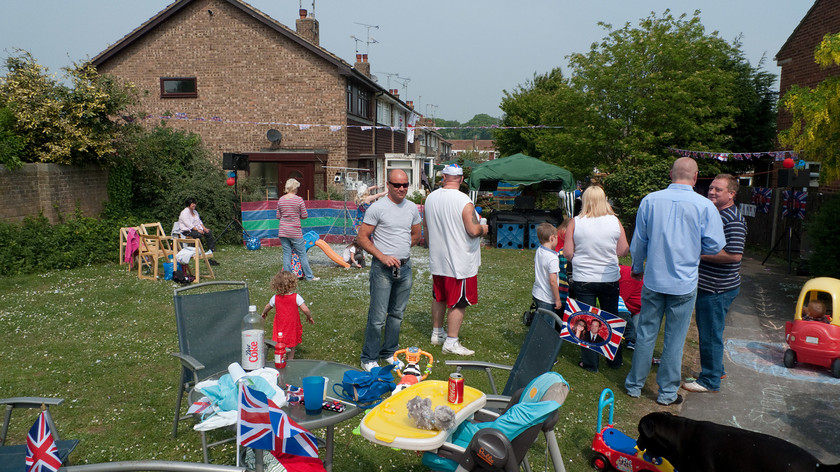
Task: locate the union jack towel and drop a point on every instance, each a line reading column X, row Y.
column 609, row 332
column 794, row 205
column 263, row 425
column 761, row 199
column 41, row 452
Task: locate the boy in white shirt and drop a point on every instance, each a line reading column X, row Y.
column 546, row 292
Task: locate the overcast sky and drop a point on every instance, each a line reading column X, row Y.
column 458, row 54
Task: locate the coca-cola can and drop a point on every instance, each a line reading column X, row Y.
column 456, row 388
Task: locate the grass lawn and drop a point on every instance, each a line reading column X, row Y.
column 101, row 339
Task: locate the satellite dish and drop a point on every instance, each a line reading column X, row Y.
column 273, row 135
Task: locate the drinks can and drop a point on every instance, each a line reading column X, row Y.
column 456, row 388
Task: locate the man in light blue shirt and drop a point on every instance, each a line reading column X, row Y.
column 673, row 228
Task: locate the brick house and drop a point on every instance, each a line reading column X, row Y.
column 483, row 149
column 248, row 84
column 796, row 58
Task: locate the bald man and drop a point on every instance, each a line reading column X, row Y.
column 390, row 227
column 673, row 228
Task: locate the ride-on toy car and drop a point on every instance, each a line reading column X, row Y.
column 816, row 342
column 615, row 450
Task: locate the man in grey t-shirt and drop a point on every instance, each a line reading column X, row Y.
column 390, row 227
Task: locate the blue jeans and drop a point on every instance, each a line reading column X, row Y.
column 388, row 298
column 710, row 313
column 299, row 245
column 676, row 309
column 607, row 294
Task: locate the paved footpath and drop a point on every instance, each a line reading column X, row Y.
column 801, row 405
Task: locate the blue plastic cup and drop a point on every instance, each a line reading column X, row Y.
column 313, row 394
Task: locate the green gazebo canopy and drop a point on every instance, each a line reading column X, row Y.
column 519, row 169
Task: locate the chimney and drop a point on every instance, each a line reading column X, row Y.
column 410, row 104
column 362, row 65
column 307, row 27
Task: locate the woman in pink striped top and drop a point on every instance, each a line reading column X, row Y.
column 290, row 210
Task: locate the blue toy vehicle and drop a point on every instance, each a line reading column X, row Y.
column 615, row 450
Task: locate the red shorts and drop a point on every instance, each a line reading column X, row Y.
column 457, row 293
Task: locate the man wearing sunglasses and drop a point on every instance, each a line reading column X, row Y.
column 390, row 227
column 453, row 233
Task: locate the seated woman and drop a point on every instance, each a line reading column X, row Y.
column 191, row 226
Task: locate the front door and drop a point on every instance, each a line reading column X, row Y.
column 300, row 172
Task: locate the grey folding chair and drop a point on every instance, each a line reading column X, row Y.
column 208, row 317
column 13, row 458
column 536, row 356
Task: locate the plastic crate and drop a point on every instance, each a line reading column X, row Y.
column 533, row 240
column 510, row 235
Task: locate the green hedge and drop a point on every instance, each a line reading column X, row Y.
column 36, row 245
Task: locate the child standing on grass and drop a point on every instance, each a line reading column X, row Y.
column 546, row 292
column 287, row 325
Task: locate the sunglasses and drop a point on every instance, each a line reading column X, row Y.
column 399, row 185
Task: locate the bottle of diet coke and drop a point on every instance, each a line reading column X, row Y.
column 253, row 354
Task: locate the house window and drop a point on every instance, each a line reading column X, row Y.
column 178, row 87
column 383, row 113
column 358, row 101
column 364, row 104
column 349, row 98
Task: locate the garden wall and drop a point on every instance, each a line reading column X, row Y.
column 52, row 188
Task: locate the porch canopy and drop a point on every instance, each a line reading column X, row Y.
column 519, row 169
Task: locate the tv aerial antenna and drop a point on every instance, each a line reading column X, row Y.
column 404, row 82
column 313, row 7
column 389, row 75
column 370, row 40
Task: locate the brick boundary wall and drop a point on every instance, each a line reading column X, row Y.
column 54, row 189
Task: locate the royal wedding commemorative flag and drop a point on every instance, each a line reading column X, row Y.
column 41, row 452
column 264, row 425
column 592, row 328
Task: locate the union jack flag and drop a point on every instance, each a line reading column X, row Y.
column 761, row 199
column 263, row 425
column 607, row 338
column 255, row 425
column 794, row 205
column 41, row 452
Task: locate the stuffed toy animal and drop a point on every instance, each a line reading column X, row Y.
column 420, row 409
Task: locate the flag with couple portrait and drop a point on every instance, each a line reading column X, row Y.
column 609, row 335
column 263, row 425
column 41, row 451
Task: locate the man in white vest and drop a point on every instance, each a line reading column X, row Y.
column 453, row 233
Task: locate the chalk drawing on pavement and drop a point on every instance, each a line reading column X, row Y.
column 768, row 358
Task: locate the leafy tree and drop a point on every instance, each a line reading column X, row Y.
column 815, row 130
column 471, row 129
column 637, row 92
column 11, row 145
column 57, row 123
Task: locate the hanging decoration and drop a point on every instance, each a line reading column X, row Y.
column 738, row 156
column 761, row 199
column 795, row 203
column 305, row 126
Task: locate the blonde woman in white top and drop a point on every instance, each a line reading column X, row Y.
column 595, row 240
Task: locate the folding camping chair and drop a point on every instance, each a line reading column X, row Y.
column 499, row 441
column 536, row 357
column 199, row 255
column 13, row 458
column 208, row 317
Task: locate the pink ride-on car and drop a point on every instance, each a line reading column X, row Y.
column 814, row 333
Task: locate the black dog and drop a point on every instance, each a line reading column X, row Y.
column 703, row 446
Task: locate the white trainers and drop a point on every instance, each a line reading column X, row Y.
column 368, row 366
column 313, row 279
column 696, row 388
column 457, row 348
column 208, row 253
column 398, row 364
column 438, row 339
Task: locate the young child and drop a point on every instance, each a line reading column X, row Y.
column 562, row 276
column 815, row 311
column 287, row 326
column 546, row 292
column 364, row 199
column 354, row 254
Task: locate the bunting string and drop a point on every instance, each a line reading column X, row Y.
column 180, row 116
column 738, row 156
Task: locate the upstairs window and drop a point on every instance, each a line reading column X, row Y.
column 178, row 87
